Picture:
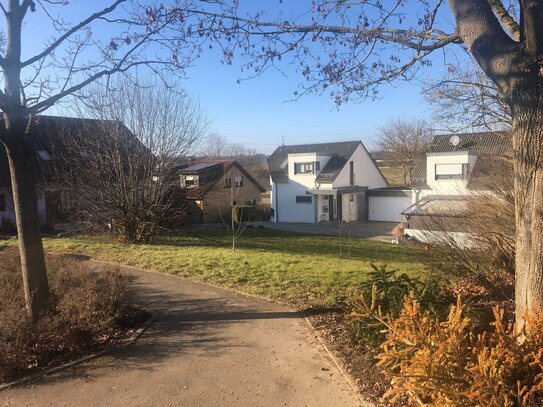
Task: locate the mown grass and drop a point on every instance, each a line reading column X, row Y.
column 302, row 270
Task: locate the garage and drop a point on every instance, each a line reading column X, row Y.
column 387, row 204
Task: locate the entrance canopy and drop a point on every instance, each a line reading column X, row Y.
column 337, row 191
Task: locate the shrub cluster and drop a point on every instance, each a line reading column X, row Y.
column 444, row 363
column 387, row 289
column 87, row 310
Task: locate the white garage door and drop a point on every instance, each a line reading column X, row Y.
column 388, row 208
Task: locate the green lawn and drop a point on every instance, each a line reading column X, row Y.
column 302, row 270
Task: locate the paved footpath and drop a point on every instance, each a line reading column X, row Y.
column 209, row 347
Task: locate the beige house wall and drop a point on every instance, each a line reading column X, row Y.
column 217, row 202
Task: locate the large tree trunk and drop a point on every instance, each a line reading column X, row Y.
column 21, row 165
column 527, row 108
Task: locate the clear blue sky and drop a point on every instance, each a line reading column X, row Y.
column 257, row 112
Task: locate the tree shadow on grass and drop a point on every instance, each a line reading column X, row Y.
column 275, row 241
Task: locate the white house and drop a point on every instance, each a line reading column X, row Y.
column 314, row 183
column 450, row 176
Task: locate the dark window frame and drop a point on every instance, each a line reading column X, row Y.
column 228, row 182
column 305, row 168
column 452, row 177
column 304, row 199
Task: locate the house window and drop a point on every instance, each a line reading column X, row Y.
column 351, row 197
column 239, row 181
column 305, row 168
column 451, row 172
column 191, row 181
column 303, row 199
column 351, row 172
column 228, row 182
column 44, row 155
column 2, row 203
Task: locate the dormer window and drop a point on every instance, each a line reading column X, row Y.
column 44, row 155
column 451, row 172
column 189, row 181
column 306, row 168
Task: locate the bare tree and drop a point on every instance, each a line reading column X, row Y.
column 466, row 99
column 404, row 144
column 125, row 176
column 73, row 57
column 216, row 147
column 348, row 49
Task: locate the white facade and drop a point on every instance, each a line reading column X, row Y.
column 304, row 199
column 447, row 162
column 387, row 208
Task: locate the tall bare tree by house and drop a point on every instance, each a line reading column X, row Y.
column 126, row 179
column 465, row 99
column 404, row 143
column 348, row 49
column 72, row 57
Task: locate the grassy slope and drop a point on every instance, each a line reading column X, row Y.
column 302, row 270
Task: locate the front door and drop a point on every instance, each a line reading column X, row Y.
column 332, row 207
column 339, row 207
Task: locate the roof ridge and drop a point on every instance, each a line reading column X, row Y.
column 320, row 144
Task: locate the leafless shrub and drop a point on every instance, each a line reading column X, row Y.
column 124, row 176
column 475, row 242
column 87, row 310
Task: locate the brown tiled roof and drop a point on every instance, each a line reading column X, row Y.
column 211, row 172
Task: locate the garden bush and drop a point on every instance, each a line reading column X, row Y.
column 88, row 310
column 387, row 288
column 438, row 362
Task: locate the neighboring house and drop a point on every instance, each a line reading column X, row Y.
column 214, row 186
column 315, row 183
column 458, row 168
column 47, row 139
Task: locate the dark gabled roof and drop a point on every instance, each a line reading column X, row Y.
column 491, row 173
column 418, row 178
column 211, row 171
column 483, row 144
column 340, row 152
column 48, row 134
column 195, row 168
column 331, row 169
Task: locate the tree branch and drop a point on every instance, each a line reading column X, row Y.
column 482, row 33
column 71, row 32
column 532, row 26
column 505, row 18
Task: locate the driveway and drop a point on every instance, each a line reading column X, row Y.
column 381, row 231
column 209, row 347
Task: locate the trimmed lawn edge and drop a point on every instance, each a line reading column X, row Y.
column 127, row 342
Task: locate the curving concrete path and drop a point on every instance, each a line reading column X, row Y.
column 209, row 347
